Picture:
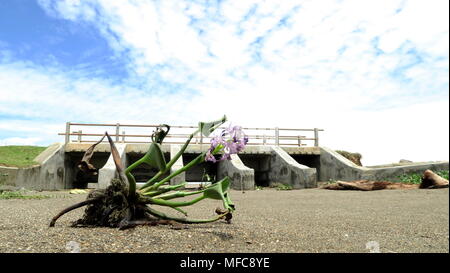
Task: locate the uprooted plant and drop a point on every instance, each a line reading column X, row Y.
column 123, row 205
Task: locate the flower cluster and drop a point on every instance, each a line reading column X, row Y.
column 231, row 141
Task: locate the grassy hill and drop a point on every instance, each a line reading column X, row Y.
column 19, row 156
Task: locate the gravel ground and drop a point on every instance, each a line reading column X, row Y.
column 312, row 220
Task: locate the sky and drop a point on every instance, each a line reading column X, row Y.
column 373, row 74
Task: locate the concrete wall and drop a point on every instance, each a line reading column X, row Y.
column 336, row 167
column 49, row 175
column 242, row 177
column 393, row 173
column 8, row 177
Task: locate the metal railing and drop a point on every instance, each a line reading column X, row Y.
column 179, row 134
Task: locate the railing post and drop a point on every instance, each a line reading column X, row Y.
column 264, row 140
column 277, row 136
column 316, row 137
column 67, row 140
column 117, row 131
column 299, row 141
column 123, row 136
column 79, row 135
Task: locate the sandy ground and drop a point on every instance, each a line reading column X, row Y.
column 312, row 220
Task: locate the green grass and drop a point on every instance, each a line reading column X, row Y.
column 19, row 195
column 416, row 178
column 19, row 156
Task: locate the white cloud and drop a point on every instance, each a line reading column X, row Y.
column 32, row 141
column 355, row 68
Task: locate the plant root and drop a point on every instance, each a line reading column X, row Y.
column 68, row 209
column 111, row 207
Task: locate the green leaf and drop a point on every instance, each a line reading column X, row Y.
column 206, row 128
column 219, row 191
column 155, row 157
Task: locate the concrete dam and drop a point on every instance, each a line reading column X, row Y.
column 299, row 167
column 270, row 161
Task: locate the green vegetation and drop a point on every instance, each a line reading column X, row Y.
column 19, row 195
column 416, row 178
column 19, row 156
column 281, row 186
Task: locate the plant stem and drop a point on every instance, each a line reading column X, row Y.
column 194, row 162
column 184, row 220
column 161, row 202
column 171, row 162
column 178, row 194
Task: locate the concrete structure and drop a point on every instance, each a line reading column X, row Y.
column 108, row 171
column 242, row 177
column 284, row 169
column 174, row 149
column 334, row 166
column 257, row 165
column 49, row 174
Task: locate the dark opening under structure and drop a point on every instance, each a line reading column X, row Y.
column 144, row 172
column 261, row 164
column 197, row 173
column 78, row 179
column 312, row 161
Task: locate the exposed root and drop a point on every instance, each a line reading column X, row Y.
column 111, row 208
column 66, row 210
column 151, row 222
column 228, row 216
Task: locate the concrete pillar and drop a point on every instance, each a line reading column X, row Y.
column 242, row 177
column 284, row 169
column 108, row 171
column 174, row 149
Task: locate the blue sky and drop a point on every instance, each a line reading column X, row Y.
column 373, row 74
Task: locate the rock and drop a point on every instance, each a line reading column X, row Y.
column 353, row 157
column 405, row 161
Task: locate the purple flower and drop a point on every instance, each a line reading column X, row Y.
column 210, row 157
column 231, row 141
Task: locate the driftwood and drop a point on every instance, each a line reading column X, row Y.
column 367, row 185
column 430, row 180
